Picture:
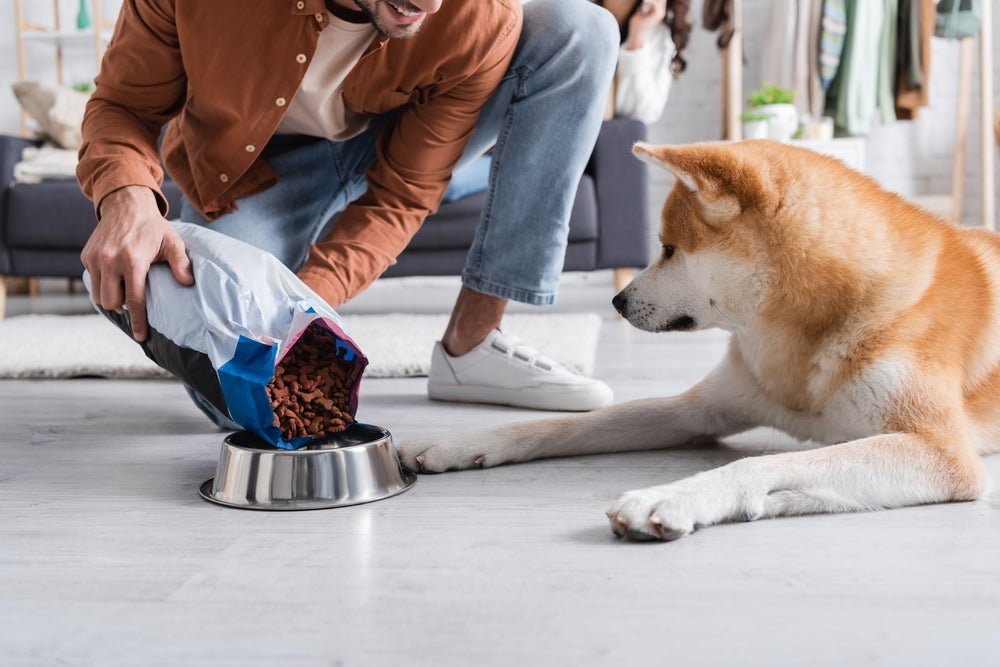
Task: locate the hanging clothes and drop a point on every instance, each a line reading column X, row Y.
column 853, row 59
column 831, row 45
column 852, row 96
column 913, row 54
column 887, row 63
column 956, row 19
column 808, row 83
column 778, row 55
column 791, row 38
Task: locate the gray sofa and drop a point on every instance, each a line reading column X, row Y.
column 44, row 226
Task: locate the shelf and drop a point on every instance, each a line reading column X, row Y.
column 51, row 33
column 65, row 37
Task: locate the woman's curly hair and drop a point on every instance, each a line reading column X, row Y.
column 680, row 31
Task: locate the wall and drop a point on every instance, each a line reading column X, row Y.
column 912, row 157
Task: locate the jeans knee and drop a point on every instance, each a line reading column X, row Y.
column 583, row 31
column 600, row 31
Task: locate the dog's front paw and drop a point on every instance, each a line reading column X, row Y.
column 656, row 513
column 448, row 452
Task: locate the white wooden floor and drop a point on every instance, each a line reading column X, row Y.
column 109, row 557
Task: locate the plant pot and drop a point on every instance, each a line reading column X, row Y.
column 784, row 120
column 756, row 129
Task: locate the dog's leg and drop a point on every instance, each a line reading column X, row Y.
column 880, row 472
column 651, row 423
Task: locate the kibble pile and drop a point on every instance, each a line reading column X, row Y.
column 311, row 389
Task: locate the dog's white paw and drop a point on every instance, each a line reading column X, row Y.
column 674, row 510
column 449, row 452
column 656, row 513
column 734, row 492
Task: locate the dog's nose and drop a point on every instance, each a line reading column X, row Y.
column 618, row 302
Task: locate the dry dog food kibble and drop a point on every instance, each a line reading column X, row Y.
column 311, row 389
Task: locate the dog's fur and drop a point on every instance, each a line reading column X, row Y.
column 857, row 320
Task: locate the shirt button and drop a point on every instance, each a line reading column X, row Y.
column 301, row 58
column 280, row 101
column 319, row 18
column 224, row 178
column 300, row 4
column 250, row 148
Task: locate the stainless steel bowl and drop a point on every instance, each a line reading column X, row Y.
column 357, row 465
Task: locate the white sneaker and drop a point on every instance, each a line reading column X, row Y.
column 502, row 370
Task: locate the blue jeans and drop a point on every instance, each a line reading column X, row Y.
column 471, row 178
column 542, row 121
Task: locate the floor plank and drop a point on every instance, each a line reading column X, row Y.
column 109, row 557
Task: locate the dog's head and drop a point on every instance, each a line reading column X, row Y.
column 739, row 225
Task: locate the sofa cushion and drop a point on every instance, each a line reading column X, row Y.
column 46, row 262
column 37, row 214
column 56, row 109
column 453, row 227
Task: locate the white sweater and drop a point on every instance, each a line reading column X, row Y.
column 643, row 78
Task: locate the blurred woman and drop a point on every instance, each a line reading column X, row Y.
column 654, row 33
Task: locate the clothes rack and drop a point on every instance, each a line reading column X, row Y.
column 950, row 204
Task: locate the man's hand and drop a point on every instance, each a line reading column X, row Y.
column 131, row 236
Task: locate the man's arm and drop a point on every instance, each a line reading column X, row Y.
column 140, row 86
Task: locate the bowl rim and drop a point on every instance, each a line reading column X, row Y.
column 362, row 437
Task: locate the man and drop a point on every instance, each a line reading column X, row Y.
column 287, row 116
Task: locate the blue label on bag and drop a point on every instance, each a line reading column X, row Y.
column 244, row 380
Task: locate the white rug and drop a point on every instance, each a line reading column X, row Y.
column 397, row 345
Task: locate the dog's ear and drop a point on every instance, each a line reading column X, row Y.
column 720, row 182
column 667, row 157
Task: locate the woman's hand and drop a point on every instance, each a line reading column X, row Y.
column 648, row 15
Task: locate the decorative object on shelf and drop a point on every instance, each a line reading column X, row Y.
column 756, row 125
column 53, row 28
column 83, row 15
column 818, row 129
column 777, row 103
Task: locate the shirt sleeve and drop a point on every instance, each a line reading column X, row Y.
column 139, row 88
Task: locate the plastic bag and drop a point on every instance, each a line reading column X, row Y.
column 251, row 339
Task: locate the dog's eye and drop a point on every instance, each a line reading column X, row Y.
column 668, row 251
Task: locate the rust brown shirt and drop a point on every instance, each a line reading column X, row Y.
column 224, row 72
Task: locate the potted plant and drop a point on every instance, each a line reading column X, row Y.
column 756, row 125
column 777, row 102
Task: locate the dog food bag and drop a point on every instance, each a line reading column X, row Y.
column 252, row 340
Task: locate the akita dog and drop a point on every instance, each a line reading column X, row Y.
column 857, row 320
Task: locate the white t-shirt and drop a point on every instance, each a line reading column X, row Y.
column 318, row 107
